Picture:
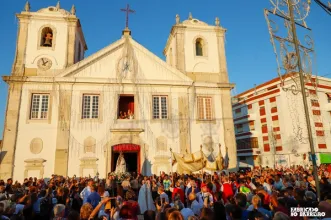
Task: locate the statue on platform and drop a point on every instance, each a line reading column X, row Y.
column 120, row 164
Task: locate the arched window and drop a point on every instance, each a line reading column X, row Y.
column 199, row 47
column 46, row 39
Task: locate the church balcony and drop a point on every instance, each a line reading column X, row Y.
column 126, row 107
column 127, row 124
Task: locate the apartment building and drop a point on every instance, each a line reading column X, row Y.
column 270, row 126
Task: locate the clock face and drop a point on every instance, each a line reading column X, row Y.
column 125, row 66
column 44, row 63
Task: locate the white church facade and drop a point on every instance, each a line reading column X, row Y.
column 71, row 115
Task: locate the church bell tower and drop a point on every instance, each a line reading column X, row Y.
column 197, row 49
column 49, row 40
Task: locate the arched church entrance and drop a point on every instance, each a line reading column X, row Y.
column 131, row 154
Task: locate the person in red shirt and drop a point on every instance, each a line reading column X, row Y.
column 226, row 189
column 329, row 168
column 130, row 208
column 178, row 190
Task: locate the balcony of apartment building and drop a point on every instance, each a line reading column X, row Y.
column 243, row 115
column 245, row 129
column 248, row 146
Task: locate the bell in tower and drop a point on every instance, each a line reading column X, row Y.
column 48, row 40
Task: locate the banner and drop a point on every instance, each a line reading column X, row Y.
column 282, row 161
column 190, row 163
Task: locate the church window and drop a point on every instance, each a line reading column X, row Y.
column 39, row 106
column 199, row 47
column 126, row 107
column 90, row 106
column 46, row 37
column 204, row 108
column 160, row 107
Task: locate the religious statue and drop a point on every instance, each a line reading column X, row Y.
column 145, row 198
column 48, row 40
column 217, row 21
column 226, row 158
column 120, row 164
column 177, row 19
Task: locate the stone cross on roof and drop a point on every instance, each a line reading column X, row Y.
column 127, row 10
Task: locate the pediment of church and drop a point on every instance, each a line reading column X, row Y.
column 126, row 61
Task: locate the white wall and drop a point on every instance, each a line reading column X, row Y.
column 58, row 55
column 28, row 131
column 209, row 63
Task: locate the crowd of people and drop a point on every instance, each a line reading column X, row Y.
column 260, row 193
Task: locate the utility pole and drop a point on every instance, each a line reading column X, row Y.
column 304, row 97
column 294, row 13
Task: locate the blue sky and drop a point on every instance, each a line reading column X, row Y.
column 249, row 52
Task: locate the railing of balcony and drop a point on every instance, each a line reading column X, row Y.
column 247, row 143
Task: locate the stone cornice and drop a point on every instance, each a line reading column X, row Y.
column 27, row 15
column 127, row 130
column 214, row 85
column 173, row 31
column 23, row 16
column 105, row 81
column 37, row 160
column 220, row 30
column 90, row 80
column 180, row 27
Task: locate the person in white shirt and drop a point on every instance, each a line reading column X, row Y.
column 250, row 183
column 86, row 191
